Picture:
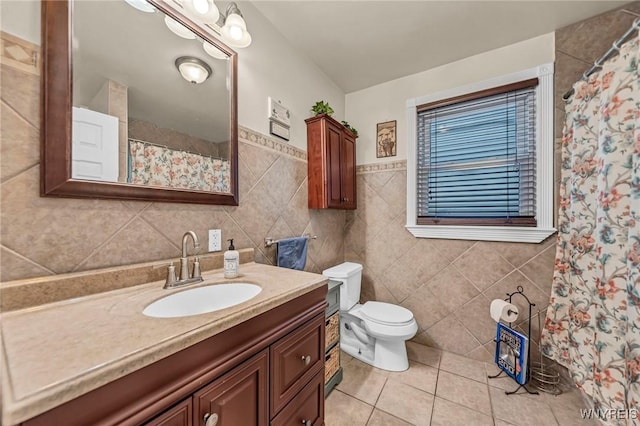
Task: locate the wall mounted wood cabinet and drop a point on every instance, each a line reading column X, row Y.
column 331, row 156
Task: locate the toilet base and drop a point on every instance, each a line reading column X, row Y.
column 385, row 358
column 390, row 355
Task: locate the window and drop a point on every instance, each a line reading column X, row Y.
column 480, row 163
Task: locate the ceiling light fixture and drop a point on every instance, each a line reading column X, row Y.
column 192, row 69
column 234, row 31
column 204, row 10
column 141, row 5
column 178, row 29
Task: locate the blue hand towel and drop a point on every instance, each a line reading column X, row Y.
column 292, row 253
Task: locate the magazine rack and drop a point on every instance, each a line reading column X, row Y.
column 520, row 293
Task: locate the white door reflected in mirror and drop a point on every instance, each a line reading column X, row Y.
column 95, row 146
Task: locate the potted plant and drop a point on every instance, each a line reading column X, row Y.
column 351, row 129
column 322, row 107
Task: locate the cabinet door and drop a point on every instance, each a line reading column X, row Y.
column 348, row 171
column 334, row 159
column 179, row 415
column 307, row 408
column 237, row 398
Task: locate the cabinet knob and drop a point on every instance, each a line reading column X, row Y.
column 210, row 419
column 306, row 359
column 306, row 422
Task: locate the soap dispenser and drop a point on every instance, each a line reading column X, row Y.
column 231, row 261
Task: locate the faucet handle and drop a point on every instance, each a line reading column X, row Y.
column 196, row 268
column 171, row 276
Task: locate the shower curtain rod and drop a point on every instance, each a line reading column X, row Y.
column 608, row 54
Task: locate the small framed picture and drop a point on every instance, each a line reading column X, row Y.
column 279, row 130
column 386, row 139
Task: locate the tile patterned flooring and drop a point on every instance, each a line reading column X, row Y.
column 441, row 388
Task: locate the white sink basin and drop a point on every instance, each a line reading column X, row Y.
column 201, row 300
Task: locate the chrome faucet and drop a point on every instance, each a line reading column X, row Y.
column 172, row 282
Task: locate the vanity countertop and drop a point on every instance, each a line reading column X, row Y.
column 56, row 352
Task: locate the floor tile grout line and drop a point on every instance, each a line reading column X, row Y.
column 488, row 388
column 457, row 403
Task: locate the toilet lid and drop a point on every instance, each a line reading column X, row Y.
column 386, row 313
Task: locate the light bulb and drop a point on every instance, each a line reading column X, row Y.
column 201, row 6
column 235, row 32
column 202, row 10
column 193, row 73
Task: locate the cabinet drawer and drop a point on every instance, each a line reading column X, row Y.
column 332, row 331
column 331, row 363
column 333, row 300
column 306, row 408
column 294, row 360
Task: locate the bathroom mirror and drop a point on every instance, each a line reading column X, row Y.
column 137, row 104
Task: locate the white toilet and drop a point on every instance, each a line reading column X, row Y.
column 375, row 332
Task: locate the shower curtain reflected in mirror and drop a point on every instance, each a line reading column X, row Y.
column 593, row 321
column 157, row 165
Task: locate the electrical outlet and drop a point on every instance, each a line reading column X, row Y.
column 215, row 240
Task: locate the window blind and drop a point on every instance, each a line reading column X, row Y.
column 476, row 158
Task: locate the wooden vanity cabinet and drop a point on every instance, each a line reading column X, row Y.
column 266, row 370
column 238, row 398
column 180, row 415
column 331, row 160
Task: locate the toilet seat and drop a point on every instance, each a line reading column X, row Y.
column 386, row 314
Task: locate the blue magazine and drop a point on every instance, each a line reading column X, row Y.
column 511, row 353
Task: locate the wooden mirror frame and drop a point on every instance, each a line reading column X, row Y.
column 56, row 115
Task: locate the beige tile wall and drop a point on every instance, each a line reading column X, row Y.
column 46, row 236
column 447, row 284
column 579, row 45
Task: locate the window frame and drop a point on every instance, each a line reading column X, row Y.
column 544, row 163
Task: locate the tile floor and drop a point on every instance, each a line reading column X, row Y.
column 441, row 388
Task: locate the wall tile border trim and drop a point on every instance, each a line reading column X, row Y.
column 20, row 54
column 250, row 136
column 381, row 167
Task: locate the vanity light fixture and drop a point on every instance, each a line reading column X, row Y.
column 178, row 29
column 234, row 31
column 205, row 10
column 141, row 5
column 192, row 69
column 213, row 51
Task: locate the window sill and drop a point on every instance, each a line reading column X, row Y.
column 514, row 234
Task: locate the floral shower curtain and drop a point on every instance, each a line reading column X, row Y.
column 593, row 321
column 171, row 168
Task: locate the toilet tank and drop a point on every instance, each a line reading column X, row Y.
column 351, row 276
